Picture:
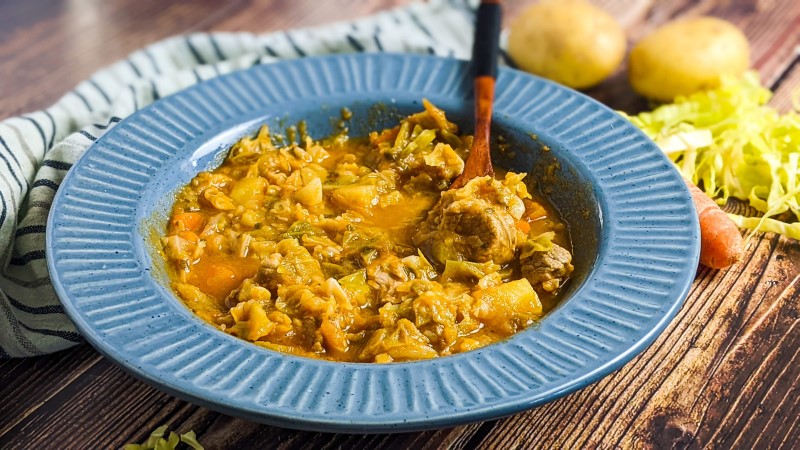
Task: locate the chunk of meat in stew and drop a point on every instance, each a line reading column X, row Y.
column 474, row 223
column 547, row 269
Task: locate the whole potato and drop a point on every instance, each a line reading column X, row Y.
column 569, row 41
column 687, row 56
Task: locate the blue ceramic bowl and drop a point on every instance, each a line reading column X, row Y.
column 632, row 221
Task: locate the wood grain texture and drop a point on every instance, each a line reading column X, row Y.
column 49, row 46
column 725, row 374
column 787, row 87
column 38, row 386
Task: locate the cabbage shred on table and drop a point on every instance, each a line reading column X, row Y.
column 731, row 143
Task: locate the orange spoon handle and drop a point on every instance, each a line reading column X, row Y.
column 479, row 162
column 484, row 60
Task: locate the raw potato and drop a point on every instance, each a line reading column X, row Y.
column 569, row 41
column 687, row 56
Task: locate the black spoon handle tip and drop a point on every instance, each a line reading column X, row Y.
column 487, row 38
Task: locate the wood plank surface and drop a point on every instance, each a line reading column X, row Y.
column 725, row 374
column 49, row 46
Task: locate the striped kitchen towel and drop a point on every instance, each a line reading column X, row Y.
column 37, row 149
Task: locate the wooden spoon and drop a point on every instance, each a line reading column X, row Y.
column 484, row 60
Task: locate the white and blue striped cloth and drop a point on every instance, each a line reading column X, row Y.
column 37, row 149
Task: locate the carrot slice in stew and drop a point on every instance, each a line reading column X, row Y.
column 188, row 221
column 217, row 276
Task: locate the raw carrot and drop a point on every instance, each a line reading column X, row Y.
column 188, row 221
column 721, row 243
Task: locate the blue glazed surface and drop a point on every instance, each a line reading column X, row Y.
column 633, row 223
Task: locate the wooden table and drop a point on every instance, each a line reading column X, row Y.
column 725, row 374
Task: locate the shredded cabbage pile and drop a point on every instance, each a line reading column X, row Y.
column 731, row 144
column 157, row 441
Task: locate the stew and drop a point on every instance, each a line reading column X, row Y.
column 354, row 249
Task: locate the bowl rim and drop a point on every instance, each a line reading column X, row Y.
column 610, row 130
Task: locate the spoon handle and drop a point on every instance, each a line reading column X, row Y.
column 484, row 61
column 487, row 38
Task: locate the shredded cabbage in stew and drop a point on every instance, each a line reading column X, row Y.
column 355, row 250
